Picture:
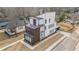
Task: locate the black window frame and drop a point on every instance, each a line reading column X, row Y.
column 34, row 22
column 49, row 20
column 45, row 21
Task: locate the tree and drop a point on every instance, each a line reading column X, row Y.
column 2, row 13
column 61, row 16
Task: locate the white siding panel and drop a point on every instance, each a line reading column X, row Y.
column 41, row 22
column 42, row 28
column 20, row 29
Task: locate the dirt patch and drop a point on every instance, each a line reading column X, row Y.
column 3, row 36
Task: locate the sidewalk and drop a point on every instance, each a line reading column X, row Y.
column 68, row 44
column 56, row 44
column 65, row 33
column 48, row 43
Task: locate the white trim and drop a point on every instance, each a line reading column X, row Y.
column 55, row 44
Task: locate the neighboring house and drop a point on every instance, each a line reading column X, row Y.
column 3, row 23
column 69, row 20
column 15, row 26
column 40, row 27
column 74, row 18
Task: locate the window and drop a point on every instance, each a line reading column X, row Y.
column 28, row 38
column 45, row 21
column 45, row 27
column 49, row 20
column 51, row 31
column 42, row 35
column 51, row 25
column 34, row 22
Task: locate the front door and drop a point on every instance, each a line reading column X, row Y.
column 34, row 22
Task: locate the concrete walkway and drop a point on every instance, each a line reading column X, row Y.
column 65, row 33
column 56, row 43
column 7, row 46
column 9, row 42
column 69, row 43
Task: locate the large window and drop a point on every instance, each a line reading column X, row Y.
column 51, row 31
column 45, row 27
column 34, row 22
column 42, row 35
column 45, row 21
column 28, row 38
column 49, row 20
column 51, row 25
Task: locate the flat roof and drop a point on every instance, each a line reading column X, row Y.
column 39, row 18
column 32, row 26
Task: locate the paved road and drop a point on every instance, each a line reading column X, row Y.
column 67, row 44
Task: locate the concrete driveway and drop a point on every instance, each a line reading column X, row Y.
column 67, row 44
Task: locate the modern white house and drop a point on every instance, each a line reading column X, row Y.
column 3, row 23
column 41, row 26
column 37, row 29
